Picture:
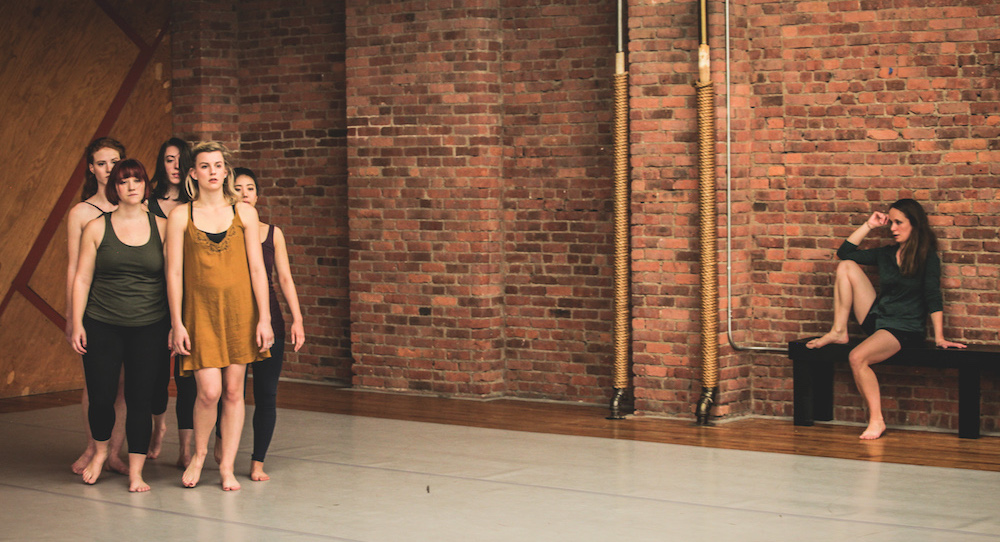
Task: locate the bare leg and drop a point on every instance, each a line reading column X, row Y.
column 135, row 482
column 233, row 412
column 851, row 289
column 209, row 388
column 159, row 431
column 217, row 450
column 877, row 348
column 93, row 469
column 186, row 437
column 257, row 473
column 88, row 454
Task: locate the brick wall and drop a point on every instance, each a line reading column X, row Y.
column 205, row 82
column 840, row 108
column 293, row 133
column 267, row 79
column 558, row 65
column 424, row 190
column 475, row 180
column 665, row 267
column 860, row 104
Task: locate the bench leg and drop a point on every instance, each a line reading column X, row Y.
column 812, row 391
column 823, row 391
column 802, row 392
column 968, row 401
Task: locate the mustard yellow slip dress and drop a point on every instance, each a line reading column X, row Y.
column 219, row 311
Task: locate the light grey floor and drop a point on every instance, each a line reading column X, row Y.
column 340, row 477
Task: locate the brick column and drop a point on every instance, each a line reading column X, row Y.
column 424, row 188
column 206, row 71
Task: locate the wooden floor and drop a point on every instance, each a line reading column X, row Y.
column 757, row 434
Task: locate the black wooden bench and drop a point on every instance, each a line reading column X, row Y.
column 812, row 376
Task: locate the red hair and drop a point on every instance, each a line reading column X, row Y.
column 126, row 169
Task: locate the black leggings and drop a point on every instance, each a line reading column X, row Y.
column 187, row 393
column 143, row 352
column 265, row 398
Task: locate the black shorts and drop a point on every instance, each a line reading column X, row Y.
column 905, row 338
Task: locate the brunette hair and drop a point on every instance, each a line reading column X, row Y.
column 90, row 181
column 228, row 185
column 160, row 181
column 126, row 169
column 922, row 242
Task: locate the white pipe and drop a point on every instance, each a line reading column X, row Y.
column 729, row 221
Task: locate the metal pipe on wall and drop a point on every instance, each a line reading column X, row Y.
column 729, row 220
column 707, row 228
column 622, row 312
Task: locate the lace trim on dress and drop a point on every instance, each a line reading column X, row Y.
column 202, row 239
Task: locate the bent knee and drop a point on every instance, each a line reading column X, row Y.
column 858, row 360
column 848, row 266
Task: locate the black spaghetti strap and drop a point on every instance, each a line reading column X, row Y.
column 103, row 212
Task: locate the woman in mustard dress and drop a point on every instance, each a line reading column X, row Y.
column 219, row 310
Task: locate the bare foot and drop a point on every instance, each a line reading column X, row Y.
column 92, row 471
column 84, row 459
column 229, row 481
column 192, row 474
column 831, row 337
column 874, row 430
column 135, row 482
column 257, row 473
column 115, row 464
column 156, row 441
column 184, row 458
column 137, row 485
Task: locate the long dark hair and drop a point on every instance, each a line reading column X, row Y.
column 160, row 182
column 90, row 181
column 922, row 242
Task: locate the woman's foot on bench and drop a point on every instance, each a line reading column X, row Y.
column 831, row 337
column 874, row 430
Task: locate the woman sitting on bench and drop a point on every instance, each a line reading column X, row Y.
column 910, row 279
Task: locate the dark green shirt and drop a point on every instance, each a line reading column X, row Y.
column 904, row 302
column 128, row 288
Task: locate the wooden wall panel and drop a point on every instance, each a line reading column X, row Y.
column 36, row 356
column 78, row 70
column 64, row 71
column 144, row 123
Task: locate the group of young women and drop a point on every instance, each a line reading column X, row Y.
column 179, row 263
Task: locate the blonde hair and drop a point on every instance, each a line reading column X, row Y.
column 228, row 184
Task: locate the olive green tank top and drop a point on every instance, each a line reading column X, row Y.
column 128, row 288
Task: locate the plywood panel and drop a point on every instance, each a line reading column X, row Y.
column 66, row 75
column 49, row 279
column 66, row 61
column 145, row 18
column 35, row 357
column 144, row 123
